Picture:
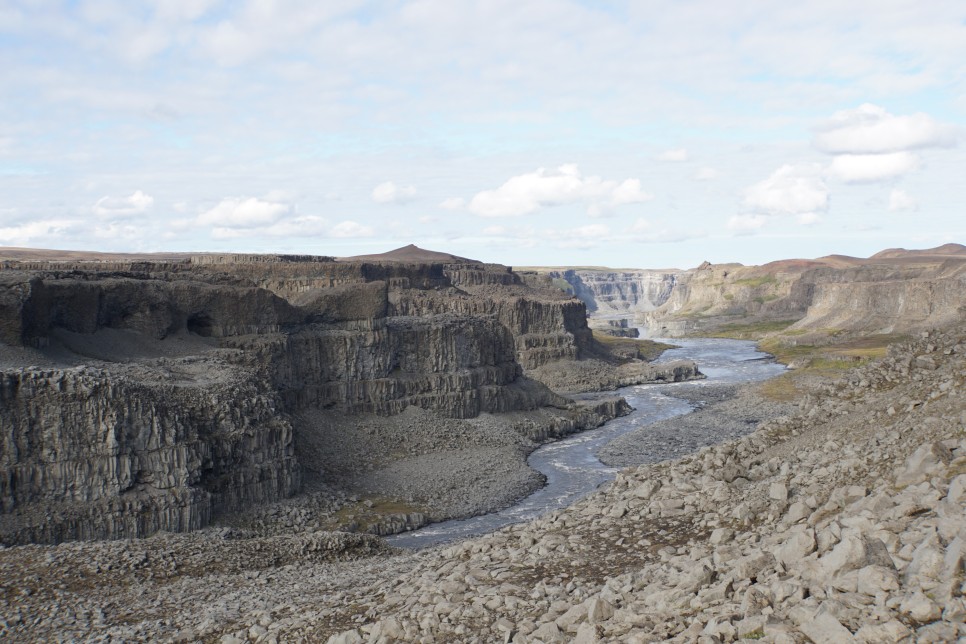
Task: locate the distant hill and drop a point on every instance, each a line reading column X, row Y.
column 410, row 253
column 51, row 255
column 944, row 250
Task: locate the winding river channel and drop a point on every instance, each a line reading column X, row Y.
column 571, row 465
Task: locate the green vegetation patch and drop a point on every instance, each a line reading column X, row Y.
column 824, row 360
column 755, row 282
column 563, row 285
column 750, row 330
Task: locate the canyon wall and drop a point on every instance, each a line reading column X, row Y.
column 608, row 293
column 142, row 396
column 833, row 295
column 896, row 291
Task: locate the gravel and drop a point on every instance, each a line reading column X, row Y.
column 724, row 412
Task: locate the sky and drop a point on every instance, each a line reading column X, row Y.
column 643, row 134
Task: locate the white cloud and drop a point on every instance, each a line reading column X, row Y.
column 808, row 218
column 294, row 227
column 115, row 207
column 239, row 212
column 389, row 192
column 901, row 200
column 706, row 174
column 595, row 231
column 870, row 129
column 790, row 190
column 182, row 10
column 863, row 168
column 677, row 154
column 37, row 231
column 453, row 203
column 746, row 223
column 351, row 229
column 115, row 231
column 527, row 193
column 230, row 45
column 428, row 219
column 645, row 231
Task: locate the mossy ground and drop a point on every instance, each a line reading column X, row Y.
column 823, row 357
column 822, row 353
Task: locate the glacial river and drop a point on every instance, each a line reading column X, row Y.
column 571, row 465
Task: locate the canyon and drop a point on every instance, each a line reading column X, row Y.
column 895, row 291
column 205, row 448
column 159, row 394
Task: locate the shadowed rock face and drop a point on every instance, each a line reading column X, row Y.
column 142, row 396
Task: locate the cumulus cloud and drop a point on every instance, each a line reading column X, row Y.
column 706, row 174
column 746, row 223
column 34, row 232
column 240, row 212
column 900, row 200
column 117, row 207
column 348, row 229
column 115, row 231
column 389, row 192
column 527, row 193
column 864, row 168
column 870, row 129
column 453, row 203
column 645, row 231
column 298, row 227
column 790, row 190
column 677, row 154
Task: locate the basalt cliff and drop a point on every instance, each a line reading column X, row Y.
column 156, row 394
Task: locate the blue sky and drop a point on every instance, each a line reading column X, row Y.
column 632, row 134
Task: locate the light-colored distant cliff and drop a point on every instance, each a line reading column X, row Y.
column 894, row 291
column 608, row 293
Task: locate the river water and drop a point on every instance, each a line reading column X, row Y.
column 571, row 466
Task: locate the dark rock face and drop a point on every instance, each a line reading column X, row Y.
column 165, row 390
column 110, row 454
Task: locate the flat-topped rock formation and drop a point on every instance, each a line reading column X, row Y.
column 143, row 394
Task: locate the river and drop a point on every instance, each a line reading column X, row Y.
column 571, row 465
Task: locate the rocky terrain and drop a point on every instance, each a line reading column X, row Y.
column 162, row 393
column 843, row 520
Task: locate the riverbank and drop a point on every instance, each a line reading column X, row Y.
column 723, row 412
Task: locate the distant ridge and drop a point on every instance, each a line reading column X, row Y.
column 52, row 255
column 945, row 249
column 410, row 253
